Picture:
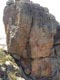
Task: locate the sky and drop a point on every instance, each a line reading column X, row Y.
column 52, row 5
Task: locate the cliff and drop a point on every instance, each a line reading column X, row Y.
column 32, row 35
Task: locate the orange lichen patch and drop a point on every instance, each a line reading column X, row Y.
column 41, row 42
column 41, row 67
column 35, row 68
column 41, row 50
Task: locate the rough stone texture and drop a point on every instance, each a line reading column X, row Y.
column 32, row 33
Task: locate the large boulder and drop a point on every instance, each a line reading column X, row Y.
column 31, row 35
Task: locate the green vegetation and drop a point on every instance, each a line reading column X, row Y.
column 12, row 70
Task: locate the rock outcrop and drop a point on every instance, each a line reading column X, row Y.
column 33, row 38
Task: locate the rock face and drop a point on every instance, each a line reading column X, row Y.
column 32, row 34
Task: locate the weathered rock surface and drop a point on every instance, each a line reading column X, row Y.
column 33, row 35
